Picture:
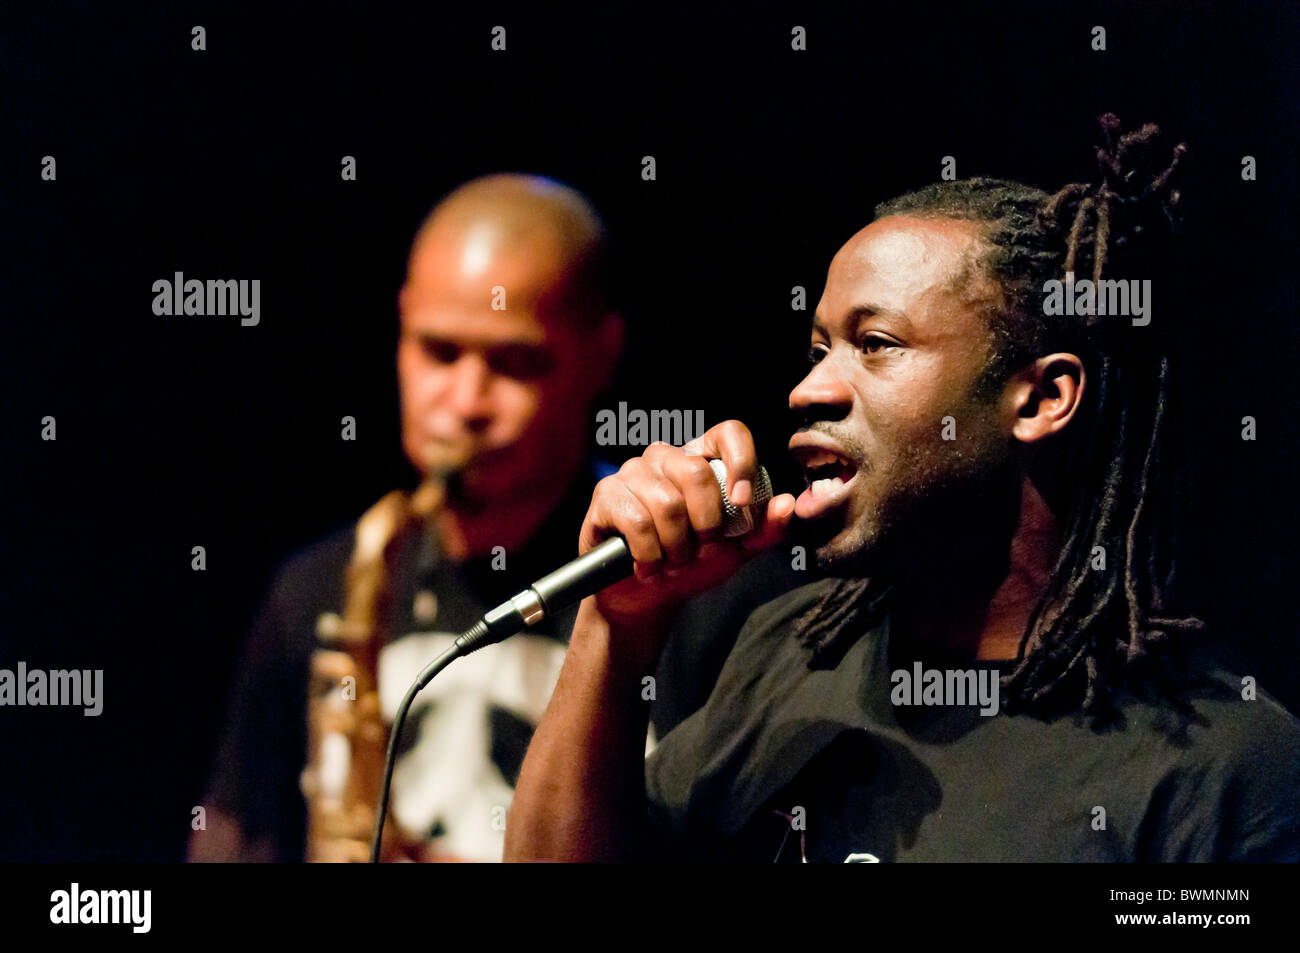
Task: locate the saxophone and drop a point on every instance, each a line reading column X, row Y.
column 347, row 738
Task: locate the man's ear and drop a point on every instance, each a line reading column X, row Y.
column 1045, row 395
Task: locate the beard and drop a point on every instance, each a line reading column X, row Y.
column 938, row 513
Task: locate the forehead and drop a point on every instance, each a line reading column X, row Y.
column 454, row 280
column 923, row 268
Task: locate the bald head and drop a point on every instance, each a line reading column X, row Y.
column 539, row 240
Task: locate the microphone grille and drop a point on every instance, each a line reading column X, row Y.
column 739, row 520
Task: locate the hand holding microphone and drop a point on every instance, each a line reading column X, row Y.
column 668, row 506
column 677, row 520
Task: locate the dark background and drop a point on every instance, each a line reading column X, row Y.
column 175, row 432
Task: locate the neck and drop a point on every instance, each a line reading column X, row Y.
column 470, row 529
column 987, row 618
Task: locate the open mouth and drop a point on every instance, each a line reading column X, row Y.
column 829, row 476
column 826, row 472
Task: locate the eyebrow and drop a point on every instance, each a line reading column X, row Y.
column 858, row 312
column 428, row 336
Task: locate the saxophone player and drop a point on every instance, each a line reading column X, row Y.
column 506, row 338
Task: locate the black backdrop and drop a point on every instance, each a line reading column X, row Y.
column 176, row 432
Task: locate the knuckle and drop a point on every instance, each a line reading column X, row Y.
column 639, row 523
column 674, row 509
column 661, row 456
column 668, row 502
column 698, row 472
column 607, row 496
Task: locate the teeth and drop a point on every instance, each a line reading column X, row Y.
column 826, row 487
column 824, row 459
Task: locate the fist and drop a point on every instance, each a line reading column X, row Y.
column 667, row 505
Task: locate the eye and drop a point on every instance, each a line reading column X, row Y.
column 816, row 353
column 441, row 352
column 523, row 363
column 876, row 344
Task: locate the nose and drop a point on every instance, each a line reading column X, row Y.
column 824, row 393
column 470, row 388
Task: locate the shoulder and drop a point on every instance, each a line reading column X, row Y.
column 766, row 644
column 770, row 625
column 706, row 631
column 1235, row 724
column 767, row 647
column 673, row 767
column 306, row 583
column 315, row 570
column 1233, row 754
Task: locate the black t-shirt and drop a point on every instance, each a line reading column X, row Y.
column 785, row 762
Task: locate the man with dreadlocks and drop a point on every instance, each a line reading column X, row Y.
column 992, row 489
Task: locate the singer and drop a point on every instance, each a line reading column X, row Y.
column 990, row 485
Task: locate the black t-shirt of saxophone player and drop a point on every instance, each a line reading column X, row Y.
column 465, row 737
column 789, row 763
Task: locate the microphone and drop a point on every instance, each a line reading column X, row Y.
column 599, row 567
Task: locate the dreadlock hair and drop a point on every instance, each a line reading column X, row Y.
column 1091, row 627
